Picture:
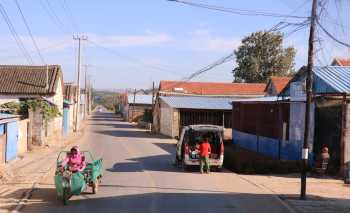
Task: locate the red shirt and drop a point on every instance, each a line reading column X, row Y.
column 204, row 149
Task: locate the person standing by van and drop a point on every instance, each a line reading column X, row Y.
column 204, row 152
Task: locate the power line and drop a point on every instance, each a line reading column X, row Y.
column 331, row 35
column 70, row 16
column 15, row 35
column 132, row 59
column 30, row 32
column 54, row 18
column 236, row 11
column 209, row 67
column 44, row 49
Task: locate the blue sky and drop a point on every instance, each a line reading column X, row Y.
column 150, row 40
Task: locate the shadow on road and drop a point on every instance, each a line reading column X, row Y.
column 145, row 201
column 150, row 163
column 131, row 134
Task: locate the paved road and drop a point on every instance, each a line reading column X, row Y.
column 139, row 177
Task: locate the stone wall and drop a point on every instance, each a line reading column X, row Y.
column 166, row 120
column 23, row 133
column 169, row 121
column 53, row 131
column 36, row 126
column 136, row 112
column 45, row 133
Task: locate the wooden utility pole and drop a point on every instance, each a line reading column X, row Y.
column 79, row 39
column 309, row 97
column 153, row 97
column 133, row 107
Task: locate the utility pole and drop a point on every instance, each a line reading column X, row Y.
column 86, row 109
column 309, row 95
column 133, row 108
column 152, row 97
column 77, row 115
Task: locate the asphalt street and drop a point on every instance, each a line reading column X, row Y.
column 139, row 177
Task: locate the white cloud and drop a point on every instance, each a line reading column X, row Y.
column 203, row 40
column 147, row 39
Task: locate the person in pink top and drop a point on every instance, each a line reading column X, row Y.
column 74, row 160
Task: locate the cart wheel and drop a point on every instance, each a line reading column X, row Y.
column 65, row 196
column 95, row 187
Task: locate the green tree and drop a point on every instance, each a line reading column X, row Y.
column 262, row 55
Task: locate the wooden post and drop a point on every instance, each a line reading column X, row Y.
column 310, row 65
column 343, row 137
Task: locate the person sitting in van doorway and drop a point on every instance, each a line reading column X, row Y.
column 204, row 152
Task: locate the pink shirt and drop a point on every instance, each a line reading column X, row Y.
column 75, row 162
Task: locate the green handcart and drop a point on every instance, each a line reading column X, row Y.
column 69, row 184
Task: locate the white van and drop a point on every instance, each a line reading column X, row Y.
column 187, row 145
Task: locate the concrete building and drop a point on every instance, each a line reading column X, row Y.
column 134, row 107
column 36, row 82
column 179, row 111
column 187, row 103
column 70, row 107
column 331, row 89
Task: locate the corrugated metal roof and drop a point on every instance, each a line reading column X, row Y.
column 195, row 102
column 140, row 99
column 7, row 116
column 336, row 77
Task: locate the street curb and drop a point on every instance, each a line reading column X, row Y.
column 274, row 195
column 30, row 191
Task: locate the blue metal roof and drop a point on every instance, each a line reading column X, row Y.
column 332, row 79
column 140, row 99
column 196, row 102
column 7, row 116
column 327, row 79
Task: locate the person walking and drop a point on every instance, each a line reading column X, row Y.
column 204, row 152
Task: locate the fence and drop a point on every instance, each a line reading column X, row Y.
column 277, row 149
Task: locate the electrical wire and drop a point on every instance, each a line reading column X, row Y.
column 132, row 59
column 54, row 18
column 15, row 35
column 209, row 67
column 30, row 32
column 70, row 16
column 236, row 11
column 330, row 35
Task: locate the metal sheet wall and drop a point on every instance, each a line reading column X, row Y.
column 192, row 117
column 263, row 119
